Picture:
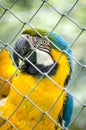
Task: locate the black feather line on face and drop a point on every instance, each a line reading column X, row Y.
column 23, row 48
column 29, row 69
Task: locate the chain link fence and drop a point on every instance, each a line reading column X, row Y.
column 5, row 12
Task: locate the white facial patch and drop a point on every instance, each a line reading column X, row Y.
column 20, row 62
column 43, row 58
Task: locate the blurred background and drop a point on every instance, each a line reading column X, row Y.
column 70, row 30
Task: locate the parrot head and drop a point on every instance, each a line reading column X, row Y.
column 38, row 51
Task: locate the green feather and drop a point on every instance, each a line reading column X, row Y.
column 32, row 32
column 55, row 38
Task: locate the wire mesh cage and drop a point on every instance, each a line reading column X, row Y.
column 56, row 16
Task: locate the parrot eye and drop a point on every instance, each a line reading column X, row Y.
column 44, row 41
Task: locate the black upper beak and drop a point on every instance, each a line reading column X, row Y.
column 22, row 47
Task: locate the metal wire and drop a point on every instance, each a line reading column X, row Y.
column 27, row 96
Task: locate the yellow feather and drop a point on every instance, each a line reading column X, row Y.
column 44, row 95
column 6, row 70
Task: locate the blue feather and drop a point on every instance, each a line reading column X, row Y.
column 67, row 111
column 62, row 44
column 55, row 38
column 59, row 41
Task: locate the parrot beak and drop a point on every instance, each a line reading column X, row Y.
column 23, row 48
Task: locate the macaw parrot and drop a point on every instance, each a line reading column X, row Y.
column 39, row 101
column 6, row 70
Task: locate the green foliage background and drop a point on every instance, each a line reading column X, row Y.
column 47, row 18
